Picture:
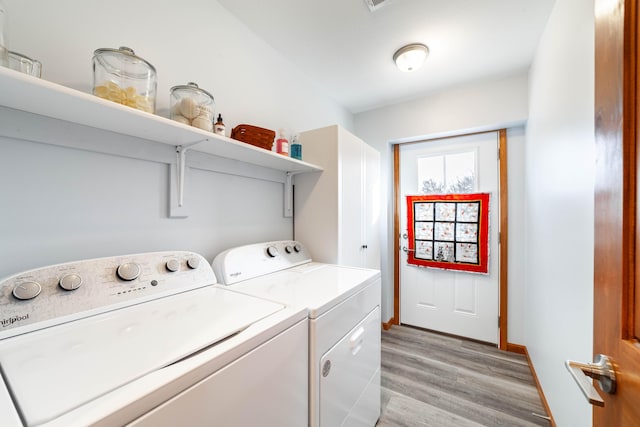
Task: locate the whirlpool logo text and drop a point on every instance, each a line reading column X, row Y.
column 11, row 320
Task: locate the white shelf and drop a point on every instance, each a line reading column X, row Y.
column 26, row 93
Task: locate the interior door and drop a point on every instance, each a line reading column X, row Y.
column 616, row 296
column 458, row 303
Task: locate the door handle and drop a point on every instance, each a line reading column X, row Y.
column 355, row 342
column 601, row 370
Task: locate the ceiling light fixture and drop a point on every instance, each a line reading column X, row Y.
column 410, row 57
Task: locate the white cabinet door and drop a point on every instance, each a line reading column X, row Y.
column 352, row 207
column 371, row 203
column 336, row 213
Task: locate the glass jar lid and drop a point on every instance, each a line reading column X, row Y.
column 191, row 87
column 124, row 61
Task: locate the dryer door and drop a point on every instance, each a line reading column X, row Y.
column 349, row 376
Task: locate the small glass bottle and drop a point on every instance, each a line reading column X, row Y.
column 219, row 127
column 282, row 143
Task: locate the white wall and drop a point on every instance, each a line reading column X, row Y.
column 559, row 205
column 491, row 104
column 62, row 204
column 186, row 41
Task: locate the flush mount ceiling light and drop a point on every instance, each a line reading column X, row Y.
column 410, row 57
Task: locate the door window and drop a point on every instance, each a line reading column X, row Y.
column 447, row 173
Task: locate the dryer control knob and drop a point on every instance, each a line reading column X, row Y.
column 288, row 249
column 297, row 247
column 128, row 271
column 272, row 251
column 70, row 282
column 173, row 265
column 27, row 290
column 193, row 262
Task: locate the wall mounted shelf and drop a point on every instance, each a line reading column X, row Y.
column 28, row 94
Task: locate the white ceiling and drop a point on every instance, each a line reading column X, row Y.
column 347, row 49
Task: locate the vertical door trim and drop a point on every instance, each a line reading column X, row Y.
column 504, row 237
column 395, row 320
column 503, row 244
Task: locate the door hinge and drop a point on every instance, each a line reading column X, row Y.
column 498, row 322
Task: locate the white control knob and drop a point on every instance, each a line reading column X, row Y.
column 27, row 290
column 272, row 251
column 70, row 282
column 288, row 249
column 128, row 271
column 193, row 262
column 297, row 247
column 173, row 265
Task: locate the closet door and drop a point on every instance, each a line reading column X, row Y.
column 371, row 204
column 336, row 214
column 351, row 170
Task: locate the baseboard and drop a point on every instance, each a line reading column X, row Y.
column 516, row 348
column 387, row 326
column 521, row 349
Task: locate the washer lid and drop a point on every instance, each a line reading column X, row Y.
column 55, row 370
column 316, row 286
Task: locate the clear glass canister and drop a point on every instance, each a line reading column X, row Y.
column 121, row 76
column 24, row 64
column 192, row 106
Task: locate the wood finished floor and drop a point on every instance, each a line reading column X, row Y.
column 434, row 380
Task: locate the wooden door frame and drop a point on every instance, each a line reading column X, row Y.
column 503, row 233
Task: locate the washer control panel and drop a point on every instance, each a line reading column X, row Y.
column 49, row 295
column 249, row 261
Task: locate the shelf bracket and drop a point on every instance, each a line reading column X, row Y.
column 288, row 195
column 178, row 176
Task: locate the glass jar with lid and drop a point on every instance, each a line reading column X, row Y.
column 192, row 106
column 121, row 76
column 24, row 64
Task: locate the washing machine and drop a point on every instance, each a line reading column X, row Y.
column 147, row 340
column 343, row 306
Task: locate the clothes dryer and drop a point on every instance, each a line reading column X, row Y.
column 344, row 323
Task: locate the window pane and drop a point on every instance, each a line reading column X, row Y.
column 449, row 173
column 460, row 172
column 431, row 175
